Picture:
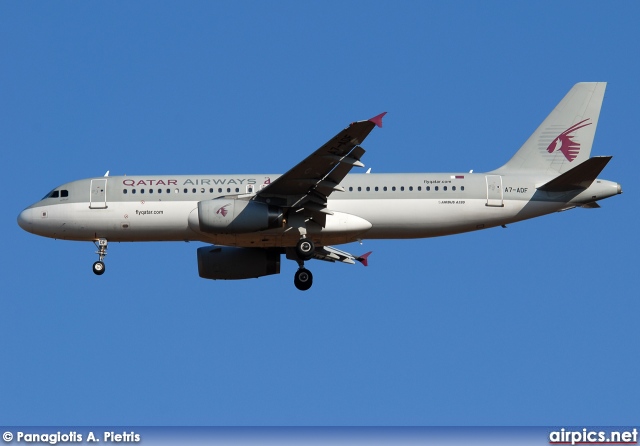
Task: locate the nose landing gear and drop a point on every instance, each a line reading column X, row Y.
column 98, row 267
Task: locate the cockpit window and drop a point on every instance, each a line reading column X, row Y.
column 57, row 194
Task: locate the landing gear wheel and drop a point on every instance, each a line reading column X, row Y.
column 98, row 268
column 303, row 279
column 305, row 249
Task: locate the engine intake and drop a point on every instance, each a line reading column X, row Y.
column 232, row 216
column 227, row 263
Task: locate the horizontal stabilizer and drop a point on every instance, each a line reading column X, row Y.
column 580, row 177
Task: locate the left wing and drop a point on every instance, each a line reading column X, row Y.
column 331, row 254
column 307, row 186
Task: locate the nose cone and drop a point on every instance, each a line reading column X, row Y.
column 25, row 220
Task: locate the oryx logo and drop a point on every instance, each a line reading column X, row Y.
column 222, row 210
column 566, row 144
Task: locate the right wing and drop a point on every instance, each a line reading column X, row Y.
column 307, row 185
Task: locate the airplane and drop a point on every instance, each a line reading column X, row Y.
column 251, row 220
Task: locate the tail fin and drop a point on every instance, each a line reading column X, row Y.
column 565, row 137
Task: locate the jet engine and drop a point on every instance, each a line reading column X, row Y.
column 232, row 216
column 227, row 263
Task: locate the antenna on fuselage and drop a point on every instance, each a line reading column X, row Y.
column 368, row 170
column 106, row 174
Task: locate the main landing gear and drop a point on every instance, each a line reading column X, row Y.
column 98, row 267
column 305, row 249
column 303, row 279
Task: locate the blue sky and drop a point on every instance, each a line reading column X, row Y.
column 535, row 324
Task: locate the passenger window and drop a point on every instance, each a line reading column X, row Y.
column 142, row 191
column 428, row 188
column 193, row 190
column 159, row 191
column 133, row 191
column 350, row 189
column 461, row 187
column 219, row 190
column 453, row 188
column 384, row 188
column 124, row 191
column 436, row 188
column 237, row 190
column 393, row 188
column 150, row 191
column 169, row 190
column 228, row 189
column 376, row 189
column 368, row 188
column 359, row 189
column 177, row 191
column 186, row 190
column 211, row 190
column 419, row 188
column 410, row 188
column 444, row 188
column 402, row 188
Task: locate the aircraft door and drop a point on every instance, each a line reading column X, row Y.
column 494, row 190
column 98, row 194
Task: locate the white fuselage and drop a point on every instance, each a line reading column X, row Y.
column 393, row 206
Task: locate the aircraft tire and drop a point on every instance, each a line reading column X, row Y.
column 98, row 268
column 303, row 279
column 305, row 248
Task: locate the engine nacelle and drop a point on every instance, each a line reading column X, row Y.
column 232, row 216
column 227, row 263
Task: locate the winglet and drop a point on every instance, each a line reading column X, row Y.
column 363, row 258
column 377, row 120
